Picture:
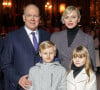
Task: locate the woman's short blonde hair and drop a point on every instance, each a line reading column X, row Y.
column 69, row 10
column 46, row 45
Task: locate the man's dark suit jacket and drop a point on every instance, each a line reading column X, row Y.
column 1, row 73
column 19, row 55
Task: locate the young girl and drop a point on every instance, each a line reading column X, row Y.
column 81, row 75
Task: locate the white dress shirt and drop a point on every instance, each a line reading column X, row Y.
column 29, row 33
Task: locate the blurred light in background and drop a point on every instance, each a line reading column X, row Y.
column 62, row 8
column 7, row 3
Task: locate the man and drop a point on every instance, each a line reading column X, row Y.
column 19, row 53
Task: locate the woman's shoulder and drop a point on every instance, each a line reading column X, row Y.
column 85, row 34
column 58, row 33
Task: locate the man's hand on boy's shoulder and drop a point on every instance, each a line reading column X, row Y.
column 24, row 82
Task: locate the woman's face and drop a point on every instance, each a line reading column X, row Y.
column 71, row 20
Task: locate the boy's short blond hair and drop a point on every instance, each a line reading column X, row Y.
column 46, row 44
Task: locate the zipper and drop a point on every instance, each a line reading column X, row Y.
column 51, row 78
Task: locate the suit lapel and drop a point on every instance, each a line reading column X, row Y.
column 77, row 39
column 40, row 36
column 82, row 76
column 63, row 39
column 70, row 77
column 26, row 41
column 40, row 39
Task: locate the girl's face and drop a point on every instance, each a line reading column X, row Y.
column 79, row 60
column 71, row 20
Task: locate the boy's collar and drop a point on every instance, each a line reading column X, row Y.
column 55, row 59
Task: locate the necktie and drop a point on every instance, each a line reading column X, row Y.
column 35, row 41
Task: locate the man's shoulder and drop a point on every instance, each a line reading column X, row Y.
column 17, row 31
column 1, row 38
column 43, row 31
column 44, row 34
column 1, row 41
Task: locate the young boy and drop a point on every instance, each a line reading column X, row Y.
column 48, row 74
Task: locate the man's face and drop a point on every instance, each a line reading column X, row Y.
column 31, row 17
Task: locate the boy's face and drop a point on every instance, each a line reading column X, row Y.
column 48, row 54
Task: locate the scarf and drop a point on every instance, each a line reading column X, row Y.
column 71, row 33
column 76, row 70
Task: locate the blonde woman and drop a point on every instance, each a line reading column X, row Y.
column 72, row 37
column 81, row 75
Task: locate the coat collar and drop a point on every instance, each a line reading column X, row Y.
column 63, row 35
column 82, row 76
column 49, row 64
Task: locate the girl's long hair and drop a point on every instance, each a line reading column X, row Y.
column 82, row 51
